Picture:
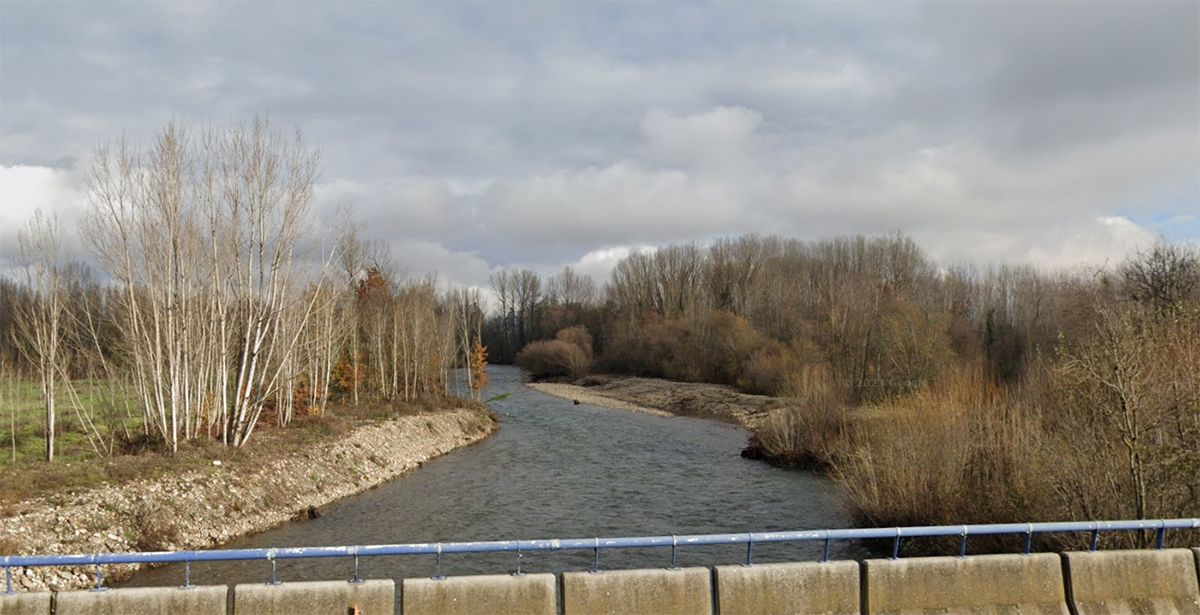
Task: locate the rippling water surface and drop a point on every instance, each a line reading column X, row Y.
column 555, row 470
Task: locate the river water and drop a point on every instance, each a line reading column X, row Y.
column 556, row 470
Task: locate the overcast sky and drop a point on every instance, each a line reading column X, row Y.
column 475, row 136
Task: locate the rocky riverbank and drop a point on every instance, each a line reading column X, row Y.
column 657, row 396
column 205, row 507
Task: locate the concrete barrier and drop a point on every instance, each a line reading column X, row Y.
column 531, row 594
column 1142, row 582
column 316, row 598
column 25, row 603
column 769, row 589
column 979, row 584
column 202, row 600
column 686, row 591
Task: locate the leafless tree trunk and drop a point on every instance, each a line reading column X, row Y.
column 41, row 322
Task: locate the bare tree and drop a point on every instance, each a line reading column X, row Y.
column 325, row 336
column 7, row 398
column 41, row 321
column 570, row 289
column 201, row 241
column 354, row 269
column 468, row 317
column 1163, row 277
column 505, row 289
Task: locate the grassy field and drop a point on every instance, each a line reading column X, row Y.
column 77, row 466
column 110, row 407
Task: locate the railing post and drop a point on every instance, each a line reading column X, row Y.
column 356, row 578
column 1160, row 538
column 749, row 549
column 674, row 546
column 439, row 576
column 962, row 545
column 187, row 575
column 99, row 580
column 596, row 556
column 825, row 552
column 519, row 556
column 896, row 545
column 8, row 580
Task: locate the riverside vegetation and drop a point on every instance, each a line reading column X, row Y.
column 934, row 395
column 213, row 322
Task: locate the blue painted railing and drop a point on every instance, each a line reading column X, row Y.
column 896, row 534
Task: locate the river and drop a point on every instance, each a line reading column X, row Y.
column 555, row 470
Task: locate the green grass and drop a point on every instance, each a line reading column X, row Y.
column 113, row 411
column 76, row 466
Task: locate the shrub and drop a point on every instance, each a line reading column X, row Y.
column 807, row 435
column 716, row 347
column 579, row 337
column 645, row 347
column 553, row 359
column 1106, row 430
column 948, row 466
column 768, row 369
column 154, row 529
column 716, row 350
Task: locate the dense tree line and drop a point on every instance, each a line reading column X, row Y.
column 209, row 321
column 865, row 318
column 527, row 309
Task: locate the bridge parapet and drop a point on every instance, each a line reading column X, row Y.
column 365, row 598
column 29, row 603
column 807, row 588
column 205, row 600
column 529, row 594
column 678, row 591
column 1147, row 581
column 980, row 584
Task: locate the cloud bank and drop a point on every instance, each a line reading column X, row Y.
column 474, row 136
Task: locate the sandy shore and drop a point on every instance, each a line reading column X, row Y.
column 585, row 395
column 667, row 397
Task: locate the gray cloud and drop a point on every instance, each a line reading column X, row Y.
column 471, row 136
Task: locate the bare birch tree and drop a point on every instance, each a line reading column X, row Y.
column 201, row 240
column 41, row 321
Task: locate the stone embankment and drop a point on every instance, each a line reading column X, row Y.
column 202, row 508
column 656, row 396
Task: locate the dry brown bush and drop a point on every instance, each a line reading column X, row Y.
column 644, row 347
column 957, row 467
column 809, row 434
column 579, row 337
column 768, row 369
column 1127, row 403
column 1106, row 430
column 553, row 359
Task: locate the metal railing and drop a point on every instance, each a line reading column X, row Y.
column 896, row 534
